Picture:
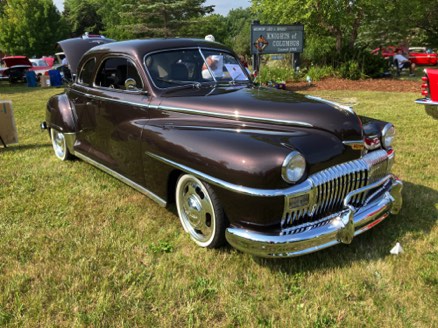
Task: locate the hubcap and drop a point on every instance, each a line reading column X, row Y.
column 195, row 209
column 58, row 142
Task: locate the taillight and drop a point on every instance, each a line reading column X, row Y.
column 425, row 86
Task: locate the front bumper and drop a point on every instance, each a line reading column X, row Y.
column 339, row 228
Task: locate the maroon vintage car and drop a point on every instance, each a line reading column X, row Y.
column 429, row 89
column 274, row 173
column 14, row 68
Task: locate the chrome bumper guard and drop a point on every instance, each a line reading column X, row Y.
column 426, row 101
column 329, row 231
column 430, row 106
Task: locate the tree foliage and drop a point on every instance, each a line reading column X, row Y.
column 238, row 24
column 83, row 16
column 212, row 24
column 161, row 18
column 30, row 27
column 340, row 19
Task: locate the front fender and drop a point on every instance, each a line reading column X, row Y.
column 250, row 156
column 60, row 115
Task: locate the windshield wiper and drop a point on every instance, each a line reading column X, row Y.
column 181, row 85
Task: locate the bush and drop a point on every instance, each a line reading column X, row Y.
column 276, row 74
column 351, row 70
column 317, row 73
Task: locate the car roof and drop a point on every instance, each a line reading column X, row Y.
column 143, row 46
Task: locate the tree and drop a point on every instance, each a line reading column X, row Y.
column 82, row 16
column 31, row 27
column 211, row 24
column 112, row 18
column 411, row 22
column 340, row 19
column 161, row 18
column 2, row 6
column 238, row 22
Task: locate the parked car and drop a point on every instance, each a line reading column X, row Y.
column 429, row 91
column 14, row 68
column 387, row 52
column 40, row 66
column 275, row 173
column 422, row 56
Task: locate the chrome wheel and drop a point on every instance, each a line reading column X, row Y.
column 200, row 212
column 59, row 145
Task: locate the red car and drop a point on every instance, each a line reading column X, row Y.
column 429, row 89
column 386, row 52
column 14, row 68
column 40, row 66
column 422, row 56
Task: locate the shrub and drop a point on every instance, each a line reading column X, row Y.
column 321, row 72
column 351, row 70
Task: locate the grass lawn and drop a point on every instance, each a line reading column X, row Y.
column 79, row 248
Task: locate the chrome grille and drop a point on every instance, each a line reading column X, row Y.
column 331, row 186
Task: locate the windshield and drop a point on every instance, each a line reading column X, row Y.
column 39, row 62
column 180, row 67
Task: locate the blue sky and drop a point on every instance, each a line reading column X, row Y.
column 222, row 6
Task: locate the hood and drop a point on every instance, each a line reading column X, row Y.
column 267, row 105
column 76, row 47
column 16, row 60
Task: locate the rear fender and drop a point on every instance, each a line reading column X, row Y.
column 60, row 114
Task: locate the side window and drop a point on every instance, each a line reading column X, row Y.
column 86, row 73
column 114, row 72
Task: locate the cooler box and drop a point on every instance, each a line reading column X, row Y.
column 31, row 79
column 55, row 78
column 8, row 130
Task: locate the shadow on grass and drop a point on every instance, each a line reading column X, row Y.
column 13, row 148
column 9, row 89
column 417, row 217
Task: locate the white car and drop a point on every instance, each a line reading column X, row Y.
column 40, row 66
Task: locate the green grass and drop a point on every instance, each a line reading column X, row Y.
column 79, row 248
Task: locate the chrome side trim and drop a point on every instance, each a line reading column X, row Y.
column 332, row 103
column 116, row 175
column 238, row 129
column 236, row 116
column 353, row 142
column 426, row 101
column 301, row 188
column 366, row 162
column 115, row 100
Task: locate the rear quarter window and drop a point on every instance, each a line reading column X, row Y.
column 86, row 72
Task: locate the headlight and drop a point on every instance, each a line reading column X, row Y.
column 388, row 134
column 294, row 166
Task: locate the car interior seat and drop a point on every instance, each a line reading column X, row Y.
column 179, row 71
